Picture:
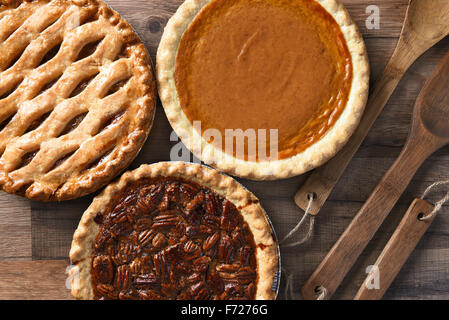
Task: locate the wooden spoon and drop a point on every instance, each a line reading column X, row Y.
column 429, row 132
column 425, row 24
column 398, row 249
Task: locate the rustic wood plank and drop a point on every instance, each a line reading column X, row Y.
column 53, row 227
column 15, row 228
column 391, row 12
column 424, row 276
column 398, row 249
column 33, row 280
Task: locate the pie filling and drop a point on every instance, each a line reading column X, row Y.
column 265, row 64
column 169, row 238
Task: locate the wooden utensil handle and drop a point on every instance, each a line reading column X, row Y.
column 322, row 180
column 332, row 270
column 396, row 252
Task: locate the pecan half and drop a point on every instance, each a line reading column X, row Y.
column 198, row 231
column 165, row 202
column 251, row 290
column 229, row 268
column 244, row 275
column 196, row 202
column 212, row 221
column 123, row 278
column 107, row 291
column 197, row 287
column 230, row 216
column 146, row 280
column 149, row 198
column 160, row 265
column 125, row 253
column 202, row 263
column 164, row 221
column 211, row 241
column 225, row 250
column 246, row 253
column 190, row 247
column 159, row 240
column 215, row 281
column 172, row 192
column 143, row 223
column 192, row 212
column 149, row 295
column 187, row 192
column 103, row 269
column 145, row 237
column 202, row 294
column 127, row 296
column 194, row 278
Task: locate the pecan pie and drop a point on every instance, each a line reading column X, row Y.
column 174, row 230
column 246, row 68
column 77, row 97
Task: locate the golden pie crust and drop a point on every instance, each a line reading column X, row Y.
column 186, row 36
column 77, row 97
column 81, row 253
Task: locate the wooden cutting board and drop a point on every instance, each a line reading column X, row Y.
column 35, row 238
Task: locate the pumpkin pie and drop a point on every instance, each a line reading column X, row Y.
column 288, row 80
column 174, row 230
column 77, row 97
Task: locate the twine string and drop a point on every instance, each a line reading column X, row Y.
column 288, row 291
column 438, row 205
column 322, row 291
column 301, row 222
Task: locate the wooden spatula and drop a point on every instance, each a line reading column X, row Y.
column 429, row 132
column 425, row 24
column 398, row 249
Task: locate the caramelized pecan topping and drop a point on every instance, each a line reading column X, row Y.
column 173, row 239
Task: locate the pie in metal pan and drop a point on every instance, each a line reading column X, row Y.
column 174, row 230
column 77, row 97
column 299, row 68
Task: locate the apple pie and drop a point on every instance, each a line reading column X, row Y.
column 77, row 97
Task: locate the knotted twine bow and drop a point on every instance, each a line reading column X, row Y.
column 439, row 204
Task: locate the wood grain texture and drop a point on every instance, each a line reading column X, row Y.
column 426, row 273
column 396, row 252
column 34, row 280
column 15, row 228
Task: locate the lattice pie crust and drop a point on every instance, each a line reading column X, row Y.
column 77, row 97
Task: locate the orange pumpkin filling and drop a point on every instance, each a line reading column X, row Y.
column 265, row 64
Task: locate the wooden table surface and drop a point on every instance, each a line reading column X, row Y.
column 35, row 238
